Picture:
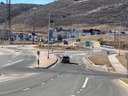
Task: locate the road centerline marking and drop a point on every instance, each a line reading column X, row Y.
column 85, row 83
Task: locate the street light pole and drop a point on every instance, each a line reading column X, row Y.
column 126, row 55
column 72, row 33
column 119, row 43
column 49, row 27
column 127, row 66
column 34, row 22
column 119, row 40
column 24, row 30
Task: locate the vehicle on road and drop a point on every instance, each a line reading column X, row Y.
column 65, row 42
column 65, row 59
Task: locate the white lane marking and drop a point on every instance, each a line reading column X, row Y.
column 78, row 54
column 52, row 79
column 85, row 83
column 81, row 89
column 43, row 83
column 15, row 55
column 72, row 95
column 29, row 59
column 26, row 89
column 71, row 56
column 84, row 59
column 78, row 92
column 58, row 75
column 1, row 53
column 12, row 63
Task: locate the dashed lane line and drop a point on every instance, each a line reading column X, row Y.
column 26, row 89
column 85, row 83
column 43, row 83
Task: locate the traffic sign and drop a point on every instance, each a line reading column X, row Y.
column 87, row 43
column 38, row 53
column 78, row 40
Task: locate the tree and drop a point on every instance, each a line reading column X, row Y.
column 2, row 3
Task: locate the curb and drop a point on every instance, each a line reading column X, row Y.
column 52, row 64
column 88, row 60
column 123, row 83
column 49, row 65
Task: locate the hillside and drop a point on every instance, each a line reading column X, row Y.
column 16, row 9
column 79, row 13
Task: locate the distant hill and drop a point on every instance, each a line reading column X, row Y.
column 16, row 9
column 70, row 12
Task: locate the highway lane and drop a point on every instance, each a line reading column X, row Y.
column 61, row 81
column 41, row 79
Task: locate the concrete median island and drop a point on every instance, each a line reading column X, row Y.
column 44, row 61
column 101, row 60
column 104, row 60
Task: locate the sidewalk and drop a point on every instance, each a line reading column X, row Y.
column 44, row 61
column 116, row 64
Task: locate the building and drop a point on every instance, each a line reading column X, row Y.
column 91, row 32
column 60, row 33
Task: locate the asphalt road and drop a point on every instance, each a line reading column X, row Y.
column 74, row 79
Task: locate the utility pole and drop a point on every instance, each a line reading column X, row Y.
column 9, row 15
column 8, row 19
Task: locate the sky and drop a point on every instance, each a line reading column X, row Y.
column 30, row 1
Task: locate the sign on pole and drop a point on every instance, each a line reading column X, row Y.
column 38, row 60
column 126, row 55
column 38, row 53
column 87, row 43
column 78, row 40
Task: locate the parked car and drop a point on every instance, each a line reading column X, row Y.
column 65, row 59
column 65, row 42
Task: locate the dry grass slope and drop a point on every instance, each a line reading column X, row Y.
column 84, row 12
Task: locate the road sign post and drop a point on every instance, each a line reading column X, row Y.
column 87, row 43
column 38, row 60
